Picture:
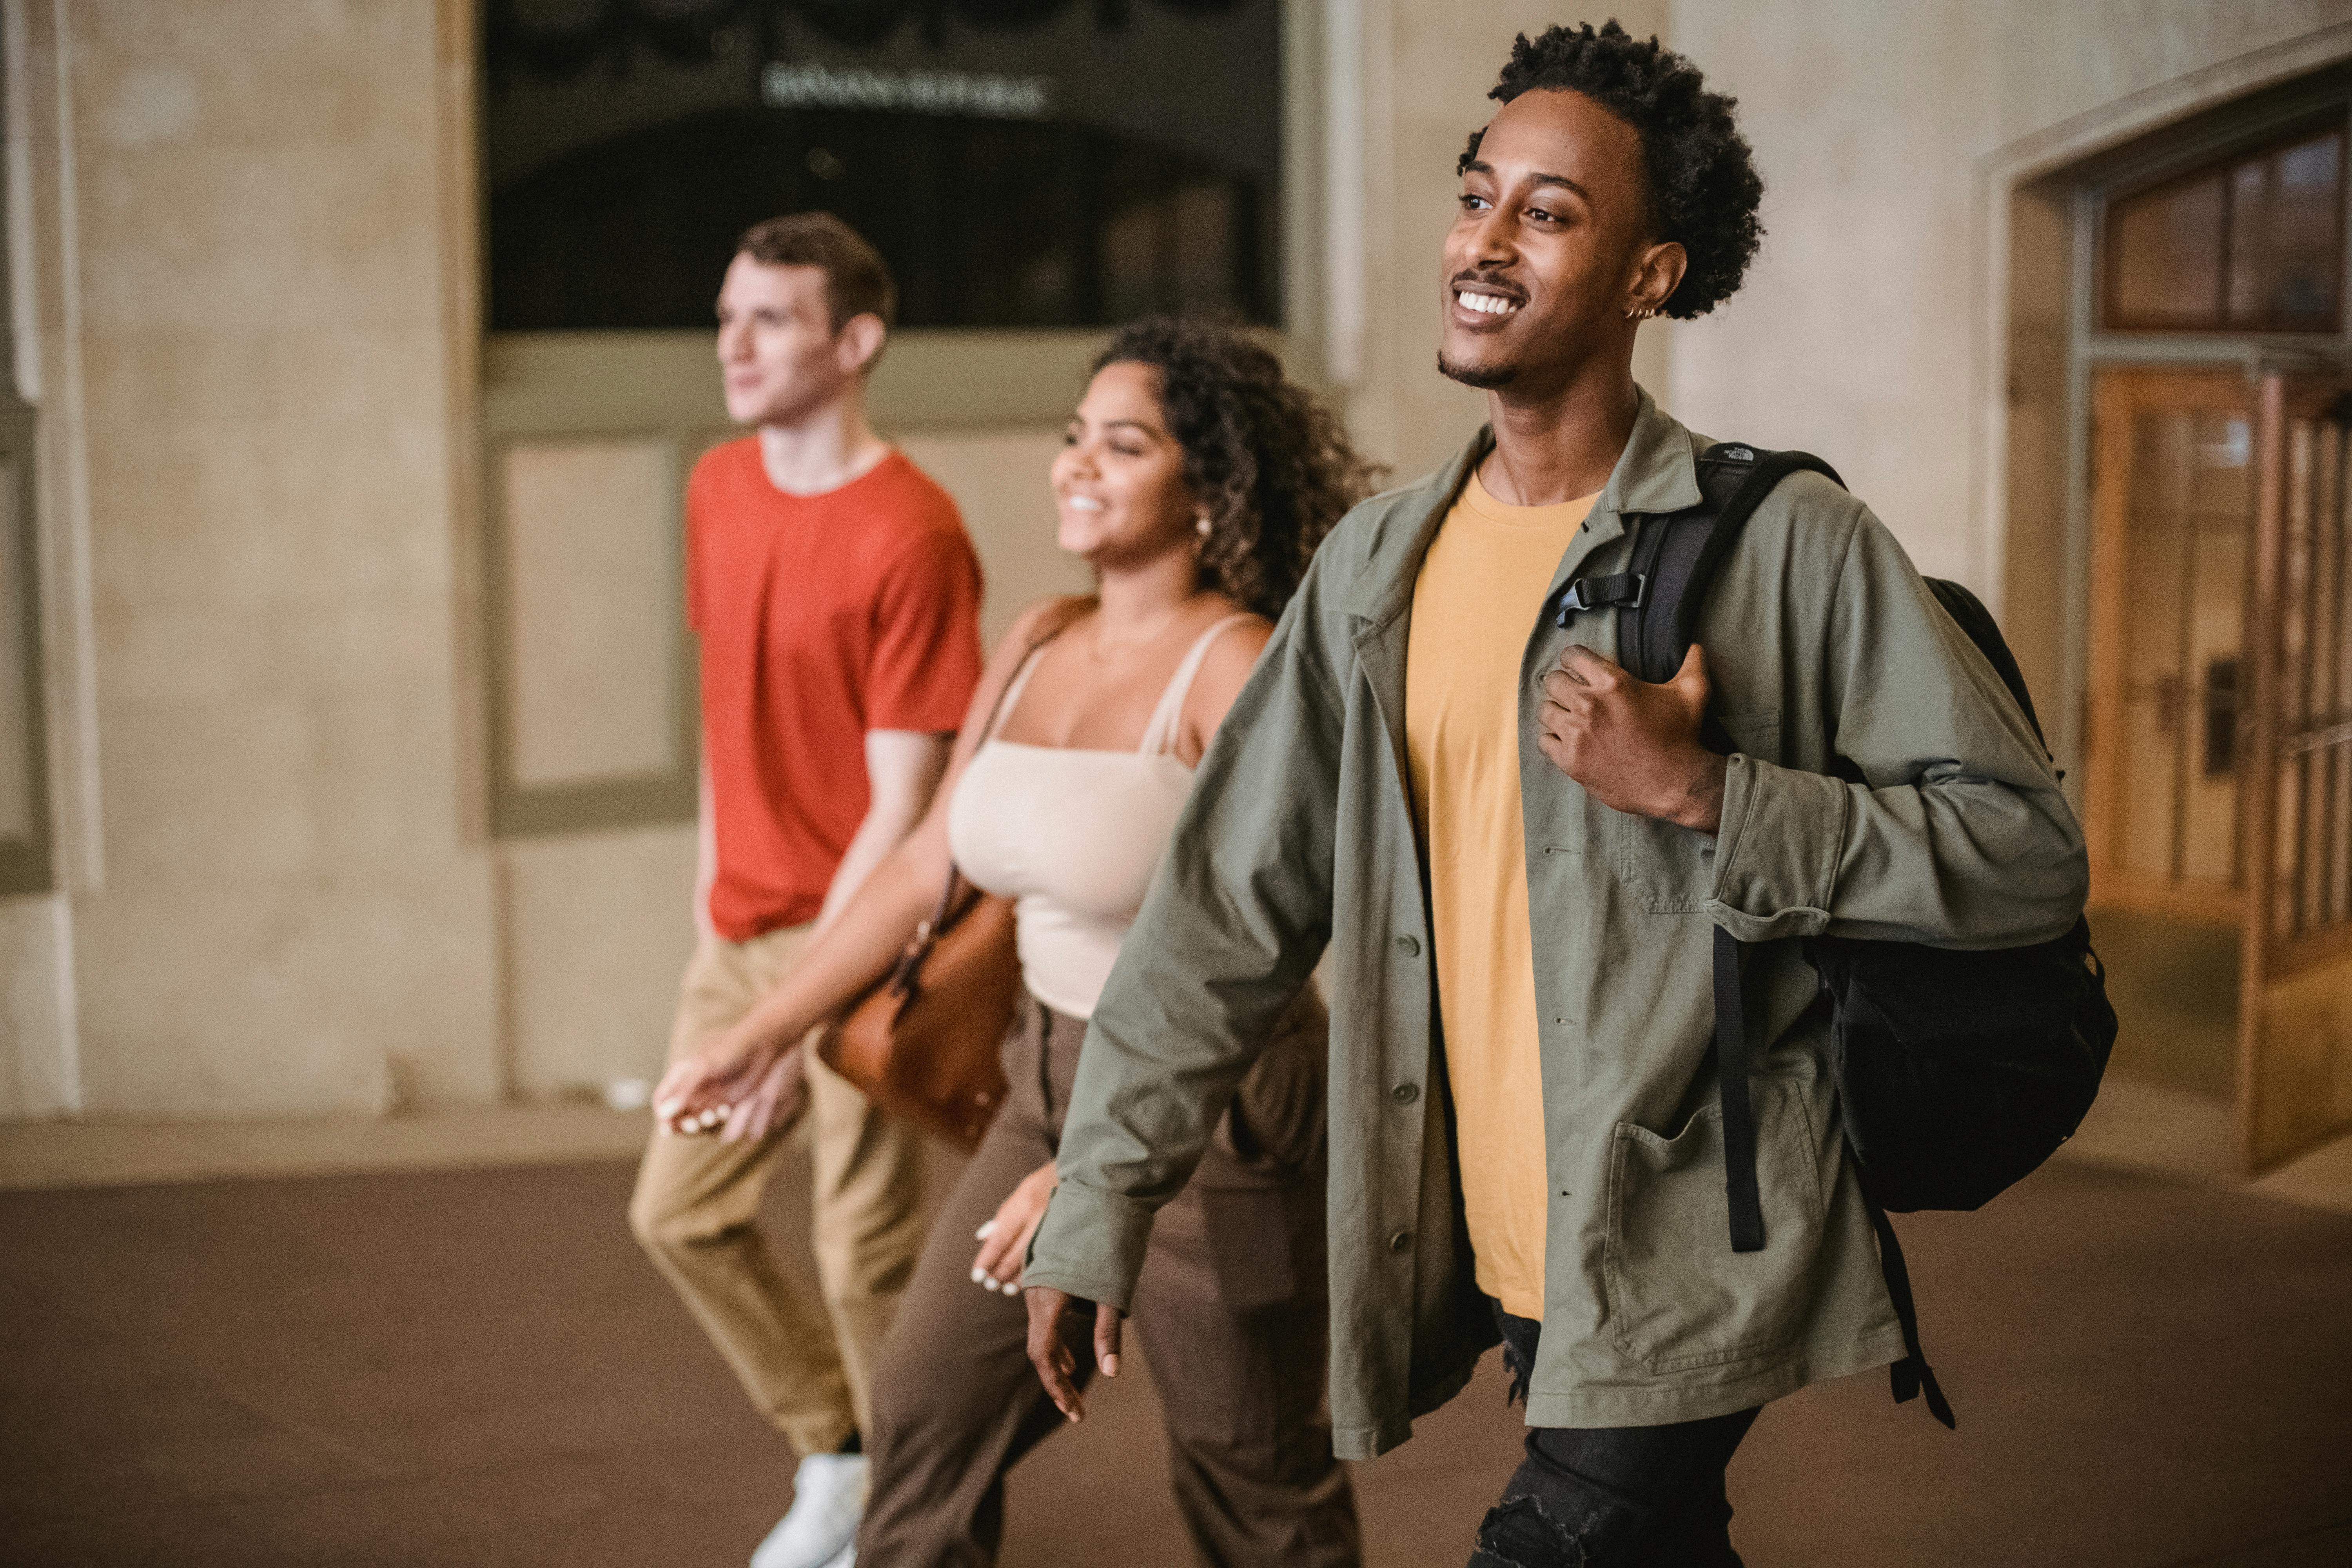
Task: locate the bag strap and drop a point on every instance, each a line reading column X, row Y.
column 907, row 973
column 1735, row 1066
column 1671, row 566
column 1734, row 1016
column 1674, row 558
column 1912, row 1375
column 1749, row 476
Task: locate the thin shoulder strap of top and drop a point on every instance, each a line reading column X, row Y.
column 903, row 977
column 1160, row 735
column 1011, row 695
column 1007, row 699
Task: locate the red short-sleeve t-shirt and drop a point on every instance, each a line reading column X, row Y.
column 821, row 617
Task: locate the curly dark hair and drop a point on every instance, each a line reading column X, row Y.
column 1267, row 460
column 1704, row 188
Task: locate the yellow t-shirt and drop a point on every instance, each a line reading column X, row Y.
column 1476, row 599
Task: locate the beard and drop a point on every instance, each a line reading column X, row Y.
column 1484, row 377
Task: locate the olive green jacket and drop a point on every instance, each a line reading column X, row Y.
column 1299, row 834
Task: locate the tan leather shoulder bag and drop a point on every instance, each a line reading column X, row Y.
column 924, row 1043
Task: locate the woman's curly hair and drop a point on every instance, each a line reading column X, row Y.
column 1704, row 188
column 1266, row 459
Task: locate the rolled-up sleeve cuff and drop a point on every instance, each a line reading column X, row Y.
column 1090, row 1244
column 1776, row 856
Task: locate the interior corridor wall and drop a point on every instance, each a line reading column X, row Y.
column 272, row 909
column 273, row 900
column 1863, row 332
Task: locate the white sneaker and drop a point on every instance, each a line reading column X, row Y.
column 821, row 1529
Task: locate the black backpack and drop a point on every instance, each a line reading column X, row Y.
column 1957, row 1072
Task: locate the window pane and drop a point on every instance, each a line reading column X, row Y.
column 2221, row 501
column 2286, row 232
column 2166, row 256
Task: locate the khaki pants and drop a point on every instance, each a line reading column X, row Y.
column 1230, row 1310
column 807, row 1363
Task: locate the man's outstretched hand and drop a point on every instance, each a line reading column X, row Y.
column 1634, row 746
column 1057, row 1369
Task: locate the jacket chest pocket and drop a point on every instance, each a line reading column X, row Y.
column 1672, row 869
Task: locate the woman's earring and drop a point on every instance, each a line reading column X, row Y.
column 1201, row 524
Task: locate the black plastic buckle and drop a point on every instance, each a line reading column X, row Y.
column 1612, row 596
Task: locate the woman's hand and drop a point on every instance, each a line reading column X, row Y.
column 743, row 1083
column 1004, row 1240
column 775, row 1102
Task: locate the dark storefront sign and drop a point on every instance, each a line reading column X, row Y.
column 1020, row 162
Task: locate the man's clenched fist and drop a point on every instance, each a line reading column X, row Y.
column 1633, row 745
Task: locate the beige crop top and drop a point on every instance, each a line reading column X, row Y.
column 1072, row 835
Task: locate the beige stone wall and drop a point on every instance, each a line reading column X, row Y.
column 1866, row 329
column 39, row 1071
column 272, row 906
column 34, row 1022
column 253, row 358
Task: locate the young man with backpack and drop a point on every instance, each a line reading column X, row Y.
column 1520, row 856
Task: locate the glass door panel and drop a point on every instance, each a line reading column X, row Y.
column 2295, row 1014
column 2167, row 624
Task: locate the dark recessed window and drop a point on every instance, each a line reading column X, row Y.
column 1019, row 163
column 2253, row 242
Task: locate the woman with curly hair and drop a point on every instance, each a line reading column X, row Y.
column 1197, row 481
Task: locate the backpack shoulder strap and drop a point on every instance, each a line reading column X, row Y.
column 1675, row 557
column 1968, row 610
column 1749, row 475
column 1669, row 570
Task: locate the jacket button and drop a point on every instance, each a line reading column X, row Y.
column 1405, row 1093
column 1409, row 946
column 1401, row 1242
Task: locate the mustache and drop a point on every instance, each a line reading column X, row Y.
column 1489, row 281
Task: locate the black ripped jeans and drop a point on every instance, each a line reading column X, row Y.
column 1611, row 1497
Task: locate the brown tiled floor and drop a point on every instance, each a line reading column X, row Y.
column 477, row 1368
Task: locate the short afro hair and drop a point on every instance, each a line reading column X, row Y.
column 1704, row 188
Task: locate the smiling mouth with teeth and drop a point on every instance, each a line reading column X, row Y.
column 1488, row 304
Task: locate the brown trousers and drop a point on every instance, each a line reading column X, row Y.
column 1232, row 1311
column 807, row 1362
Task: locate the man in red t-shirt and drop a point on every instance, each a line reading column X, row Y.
column 837, row 602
